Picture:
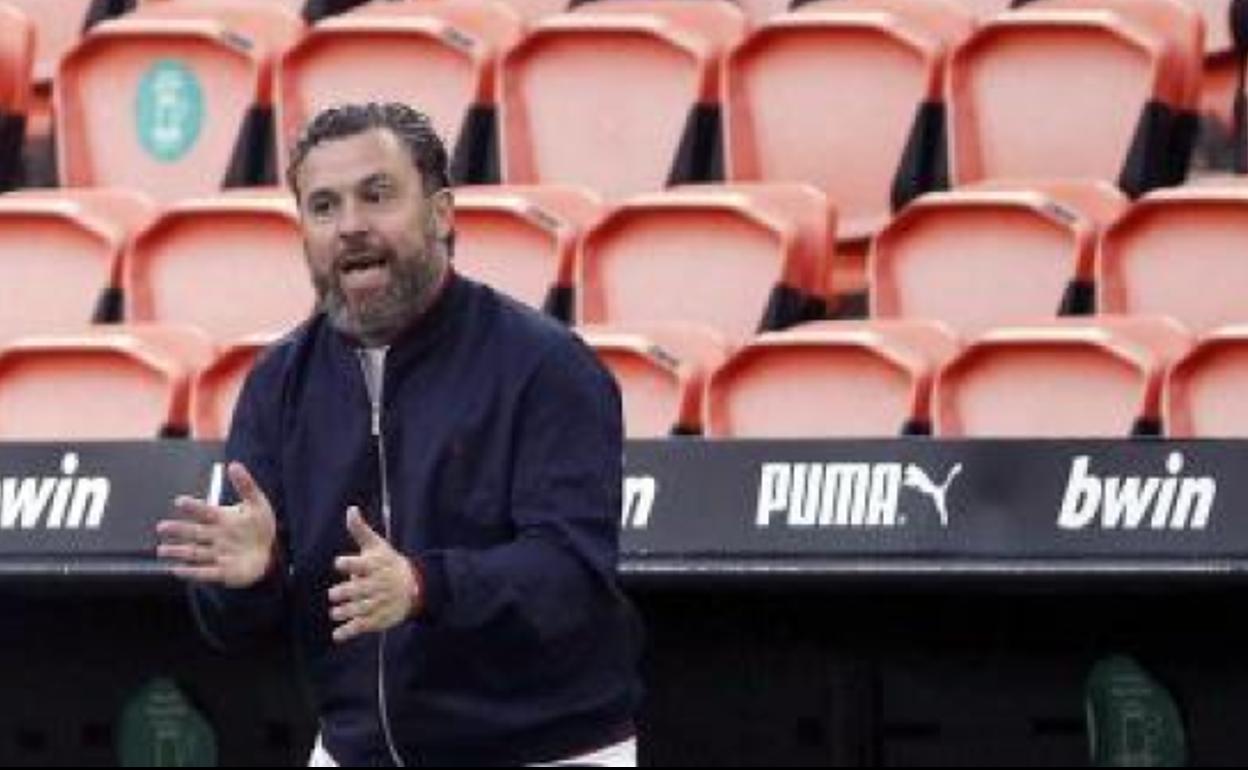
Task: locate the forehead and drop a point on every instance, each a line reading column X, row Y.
column 345, row 162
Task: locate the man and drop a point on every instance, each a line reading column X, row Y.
column 428, row 481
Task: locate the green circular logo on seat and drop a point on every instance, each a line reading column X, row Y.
column 159, row 727
column 170, row 110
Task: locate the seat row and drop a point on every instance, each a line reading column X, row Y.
column 738, row 258
column 1106, row 377
column 872, row 101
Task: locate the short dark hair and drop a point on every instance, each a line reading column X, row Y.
column 411, row 126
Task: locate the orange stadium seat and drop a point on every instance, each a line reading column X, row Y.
column 736, row 258
column 123, row 383
column 1067, row 378
column 985, row 9
column 662, row 373
column 17, row 45
column 1102, row 89
column 361, row 55
column 59, row 25
column 523, row 240
column 645, row 74
column 535, row 10
column 1179, row 252
column 197, row 78
column 60, row 257
column 1204, row 394
column 830, row 379
column 231, row 264
column 992, row 255
column 1218, row 86
column 296, row 7
column 216, row 387
column 1217, row 18
column 759, row 11
column 845, row 95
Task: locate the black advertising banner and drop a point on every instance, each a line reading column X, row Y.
column 89, row 507
column 927, row 498
column 93, row 505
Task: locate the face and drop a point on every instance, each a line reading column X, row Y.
column 374, row 241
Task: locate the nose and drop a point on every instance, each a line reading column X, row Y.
column 351, row 223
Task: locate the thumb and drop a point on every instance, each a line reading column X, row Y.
column 248, row 490
column 363, row 534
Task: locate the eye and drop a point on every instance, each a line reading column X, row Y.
column 321, row 206
column 379, row 191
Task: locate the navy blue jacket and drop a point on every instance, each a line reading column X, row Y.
column 503, row 453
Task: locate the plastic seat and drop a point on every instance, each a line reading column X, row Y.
column 523, row 240
column 645, row 74
column 1204, row 394
column 17, row 46
column 1218, row 84
column 1216, row 15
column 1102, row 89
column 58, row 25
column 454, row 45
column 662, row 373
column 992, row 255
column 197, row 75
column 232, row 264
column 829, row 380
column 122, row 383
column 1067, row 378
column 216, row 388
column 986, row 9
column 60, row 257
column 532, row 11
column 736, row 258
column 1178, row 252
column 845, row 95
column 760, row 11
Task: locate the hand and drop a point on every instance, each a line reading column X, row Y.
column 230, row 545
column 381, row 587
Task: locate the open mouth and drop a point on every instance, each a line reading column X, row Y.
column 362, row 263
column 364, row 272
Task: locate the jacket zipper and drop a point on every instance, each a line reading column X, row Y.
column 385, row 513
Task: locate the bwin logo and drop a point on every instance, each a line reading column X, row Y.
column 67, row 502
column 1127, row 502
column 846, row 494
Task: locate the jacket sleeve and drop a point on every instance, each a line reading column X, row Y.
column 560, row 568
column 235, row 618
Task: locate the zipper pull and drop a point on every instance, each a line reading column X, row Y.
column 376, row 422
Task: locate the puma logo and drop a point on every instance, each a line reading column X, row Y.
column 917, row 479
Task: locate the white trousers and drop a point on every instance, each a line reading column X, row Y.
column 622, row 754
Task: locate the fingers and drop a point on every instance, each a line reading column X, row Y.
column 356, row 609
column 246, row 487
column 185, row 531
column 355, row 566
column 363, row 535
column 190, row 554
column 349, row 590
column 351, row 629
column 193, row 508
column 354, row 601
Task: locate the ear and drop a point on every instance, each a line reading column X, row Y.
column 443, row 205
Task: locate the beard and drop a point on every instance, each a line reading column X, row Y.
column 377, row 319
